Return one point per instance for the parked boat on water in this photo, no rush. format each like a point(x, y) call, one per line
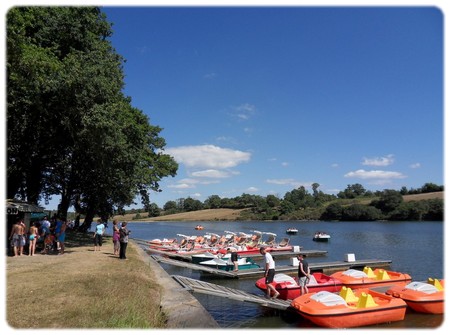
point(292, 231)
point(289, 289)
point(321, 236)
point(421, 297)
point(349, 309)
point(244, 244)
point(244, 263)
point(370, 278)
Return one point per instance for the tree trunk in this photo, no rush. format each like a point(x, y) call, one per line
point(87, 221)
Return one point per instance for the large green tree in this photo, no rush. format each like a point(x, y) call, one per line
point(70, 130)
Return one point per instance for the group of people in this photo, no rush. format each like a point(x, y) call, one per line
point(120, 237)
point(52, 234)
point(269, 274)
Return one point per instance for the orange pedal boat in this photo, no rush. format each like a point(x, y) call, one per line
point(349, 309)
point(422, 297)
point(368, 278)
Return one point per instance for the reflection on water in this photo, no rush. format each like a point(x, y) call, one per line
point(414, 247)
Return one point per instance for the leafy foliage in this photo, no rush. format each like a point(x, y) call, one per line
point(299, 204)
point(70, 129)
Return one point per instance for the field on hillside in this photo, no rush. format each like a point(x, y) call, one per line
point(203, 215)
point(424, 196)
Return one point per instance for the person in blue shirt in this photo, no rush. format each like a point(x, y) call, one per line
point(98, 235)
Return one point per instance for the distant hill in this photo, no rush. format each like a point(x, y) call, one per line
point(227, 214)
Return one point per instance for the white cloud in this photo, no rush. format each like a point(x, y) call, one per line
point(284, 164)
point(379, 161)
point(244, 111)
point(208, 156)
point(288, 181)
point(212, 173)
point(281, 181)
point(181, 186)
point(415, 166)
point(335, 165)
point(375, 174)
point(246, 108)
point(252, 189)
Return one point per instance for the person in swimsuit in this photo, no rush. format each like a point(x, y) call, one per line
point(17, 236)
point(32, 240)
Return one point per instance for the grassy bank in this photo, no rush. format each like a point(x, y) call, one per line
point(82, 289)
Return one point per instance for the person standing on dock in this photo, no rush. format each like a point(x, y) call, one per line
point(234, 258)
point(303, 273)
point(269, 273)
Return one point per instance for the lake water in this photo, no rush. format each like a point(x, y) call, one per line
point(416, 248)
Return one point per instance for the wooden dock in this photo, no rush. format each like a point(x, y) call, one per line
point(199, 286)
point(317, 267)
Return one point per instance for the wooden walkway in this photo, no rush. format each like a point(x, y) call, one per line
point(199, 286)
point(321, 267)
point(219, 273)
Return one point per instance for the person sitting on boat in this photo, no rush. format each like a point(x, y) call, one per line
point(303, 273)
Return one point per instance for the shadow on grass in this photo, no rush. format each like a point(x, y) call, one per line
point(77, 239)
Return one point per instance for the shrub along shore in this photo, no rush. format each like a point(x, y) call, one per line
point(83, 289)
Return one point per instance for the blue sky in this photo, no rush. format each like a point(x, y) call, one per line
point(262, 100)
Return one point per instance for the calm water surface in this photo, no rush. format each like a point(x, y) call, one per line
point(414, 247)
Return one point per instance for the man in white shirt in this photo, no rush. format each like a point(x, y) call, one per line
point(269, 274)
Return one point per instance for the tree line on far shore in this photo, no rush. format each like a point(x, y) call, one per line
point(355, 203)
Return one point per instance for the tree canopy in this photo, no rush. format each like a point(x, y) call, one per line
point(70, 130)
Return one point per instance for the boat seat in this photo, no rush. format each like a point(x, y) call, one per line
point(284, 242)
point(368, 271)
point(383, 275)
point(365, 301)
point(347, 294)
point(312, 280)
point(436, 283)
